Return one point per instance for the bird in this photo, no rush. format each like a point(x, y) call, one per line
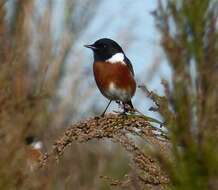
point(113, 73)
point(33, 151)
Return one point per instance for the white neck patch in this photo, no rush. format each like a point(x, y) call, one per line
point(118, 57)
point(37, 145)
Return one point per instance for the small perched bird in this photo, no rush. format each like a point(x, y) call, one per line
point(33, 152)
point(113, 72)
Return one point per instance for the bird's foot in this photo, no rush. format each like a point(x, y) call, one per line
point(97, 117)
point(118, 102)
point(127, 108)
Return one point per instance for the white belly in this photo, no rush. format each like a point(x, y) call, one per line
point(115, 93)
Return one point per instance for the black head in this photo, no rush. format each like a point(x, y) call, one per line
point(30, 140)
point(104, 49)
point(33, 142)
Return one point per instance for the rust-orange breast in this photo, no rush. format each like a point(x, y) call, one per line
point(118, 73)
point(33, 156)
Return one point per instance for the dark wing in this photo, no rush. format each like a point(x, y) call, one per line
point(129, 65)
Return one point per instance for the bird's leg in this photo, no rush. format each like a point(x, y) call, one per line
point(122, 106)
point(106, 108)
point(125, 110)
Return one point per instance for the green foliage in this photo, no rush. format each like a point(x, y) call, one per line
point(190, 41)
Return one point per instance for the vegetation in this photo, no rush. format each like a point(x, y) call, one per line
point(178, 153)
point(189, 38)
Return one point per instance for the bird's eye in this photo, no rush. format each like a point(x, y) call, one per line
point(104, 46)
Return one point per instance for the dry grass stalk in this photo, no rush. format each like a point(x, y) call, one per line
point(120, 129)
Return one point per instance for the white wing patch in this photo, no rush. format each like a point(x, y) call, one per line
point(118, 57)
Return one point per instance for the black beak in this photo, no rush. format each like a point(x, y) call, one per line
point(90, 46)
